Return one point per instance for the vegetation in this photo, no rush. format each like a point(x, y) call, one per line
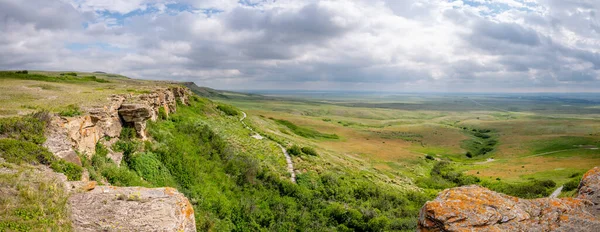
point(309, 151)
point(31, 201)
point(64, 77)
point(23, 145)
point(229, 110)
point(70, 111)
point(305, 132)
point(481, 143)
point(295, 150)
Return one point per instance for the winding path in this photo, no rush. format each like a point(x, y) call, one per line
point(288, 158)
point(556, 192)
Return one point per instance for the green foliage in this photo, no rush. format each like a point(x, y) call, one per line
point(309, 151)
point(572, 184)
point(429, 157)
point(32, 201)
point(481, 143)
point(28, 128)
point(444, 176)
point(148, 166)
point(69, 74)
point(127, 133)
point(121, 176)
point(295, 150)
point(530, 189)
point(228, 109)
point(233, 191)
point(22, 72)
point(64, 77)
point(162, 113)
point(70, 111)
point(305, 132)
point(71, 170)
point(18, 151)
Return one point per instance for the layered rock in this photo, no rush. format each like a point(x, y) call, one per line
point(108, 208)
point(65, 135)
point(476, 208)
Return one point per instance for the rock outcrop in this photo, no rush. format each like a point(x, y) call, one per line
point(474, 208)
point(108, 208)
point(65, 135)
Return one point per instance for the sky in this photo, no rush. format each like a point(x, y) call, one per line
point(373, 45)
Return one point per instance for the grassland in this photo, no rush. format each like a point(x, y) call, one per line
point(509, 137)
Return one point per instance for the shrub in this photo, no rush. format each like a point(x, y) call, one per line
point(28, 128)
point(70, 111)
point(571, 184)
point(71, 170)
point(16, 151)
point(69, 74)
point(227, 109)
point(162, 113)
point(429, 157)
point(148, 166)
point(305, 132)
point(309, 151)
point(22, 72)
point(294, 150)
point(128, 133)
point(469, 155)
point(121, 176)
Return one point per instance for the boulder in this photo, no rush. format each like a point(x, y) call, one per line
point(136, 114)
point(108, 208)
point(477, 208)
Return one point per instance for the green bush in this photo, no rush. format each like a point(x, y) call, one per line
point(305, 132)
point(122, 176)
point(22, 72)
point(28, 128)
point(309, 151)
point(70, 111)
point(229, 110)
point(71, 170)
point(69, 74)
point(17, 151)
point(162, 113)
point(148, 166)
point(127, 133)
point(295, 150)
point(571, 184)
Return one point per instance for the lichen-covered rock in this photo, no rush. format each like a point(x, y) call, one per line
point(474, 208)
point(108, 208)
point(589, 189)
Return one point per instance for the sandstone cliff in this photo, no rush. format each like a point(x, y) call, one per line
point(66, 135)
point(474, 208)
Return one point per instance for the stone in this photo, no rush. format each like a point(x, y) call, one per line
point(136, 114)
point(109, 208)
point(477, 208)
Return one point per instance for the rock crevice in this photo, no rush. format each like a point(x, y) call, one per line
point(476, 208)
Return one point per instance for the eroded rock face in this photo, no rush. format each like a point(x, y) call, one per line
point(476, 208)
point(107, 208)
point(65, 135)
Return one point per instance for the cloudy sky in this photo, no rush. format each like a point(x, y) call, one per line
point(388, 45)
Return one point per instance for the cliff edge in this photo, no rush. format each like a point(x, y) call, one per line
point(475, 208)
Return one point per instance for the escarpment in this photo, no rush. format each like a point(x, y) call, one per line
point(68, 135)
point(474, 208)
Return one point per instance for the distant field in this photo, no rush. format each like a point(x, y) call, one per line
point(529, 135)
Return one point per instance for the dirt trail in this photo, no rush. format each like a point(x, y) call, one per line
point(556, 192)
point(288, 158)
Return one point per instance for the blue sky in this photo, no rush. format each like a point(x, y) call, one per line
point(413, 45)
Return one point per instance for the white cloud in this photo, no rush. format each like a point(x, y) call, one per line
point(425, 45)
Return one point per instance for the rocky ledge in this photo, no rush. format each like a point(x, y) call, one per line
point(474, 208)
point(108, 208)
point(66, 135)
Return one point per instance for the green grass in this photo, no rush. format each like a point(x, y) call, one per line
point(32, 201)
point(39, 77)
point(70, 111)
point(305, 132)
point(229, 110)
